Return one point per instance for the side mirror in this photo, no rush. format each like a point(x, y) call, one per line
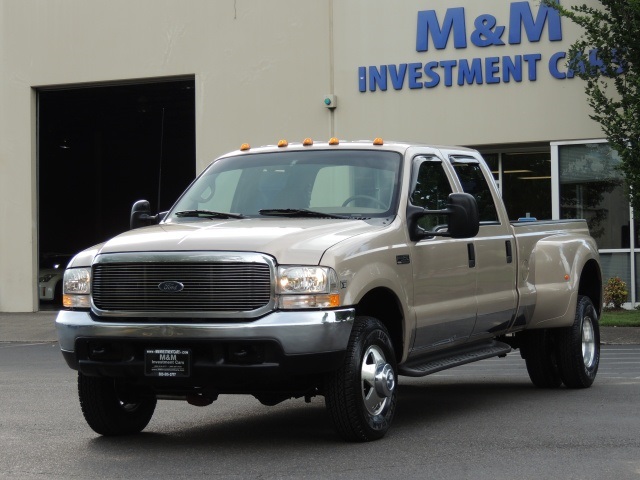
point(462, 214)
point(141, 215)
point(464, 218)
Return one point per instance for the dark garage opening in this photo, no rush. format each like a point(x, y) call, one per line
point(101, 148)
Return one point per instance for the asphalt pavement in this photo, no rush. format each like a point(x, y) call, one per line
point(40, 327)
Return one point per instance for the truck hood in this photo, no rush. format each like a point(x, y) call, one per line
point(290, 241)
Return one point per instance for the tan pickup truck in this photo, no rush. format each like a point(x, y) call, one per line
point(326, 269)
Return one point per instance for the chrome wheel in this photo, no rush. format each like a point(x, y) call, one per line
point(588, 342)
point(578, 347)
point(361, 394)
point(377, 379)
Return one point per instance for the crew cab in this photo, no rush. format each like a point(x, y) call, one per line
point(326, 268)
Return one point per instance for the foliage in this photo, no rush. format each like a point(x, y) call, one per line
point(615, 293)
point(607, 58)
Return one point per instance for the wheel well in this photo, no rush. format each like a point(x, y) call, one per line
point(384, 305)
point(591, 284)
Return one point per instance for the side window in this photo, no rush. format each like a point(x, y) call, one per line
point(431, 191)
point(474, 183)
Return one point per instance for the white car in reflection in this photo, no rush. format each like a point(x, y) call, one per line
point(50, 277)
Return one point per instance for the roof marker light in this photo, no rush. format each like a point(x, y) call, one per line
point(244, 147)
point(378, 141)
point(283, 143)
point(334, 141)
point(307, 142)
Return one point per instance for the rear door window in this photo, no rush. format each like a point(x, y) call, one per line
point(474, 183)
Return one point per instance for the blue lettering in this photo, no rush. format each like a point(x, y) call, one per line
point(470, 74)
point(521, 15)
point(616, 60)
point(492, 69)
point(484, 35)
point(553, 65)
point(576, 64)
point(448, 71)
point(362, 79)
point(428, 25)
point(596, 63)
point(532, 61)
point(414, 75)
point(433, 75)
point(378, 78)
point(397, 74)
point(512, 69)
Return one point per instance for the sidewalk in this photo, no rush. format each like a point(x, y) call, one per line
point(28, 327)
point(40, 327)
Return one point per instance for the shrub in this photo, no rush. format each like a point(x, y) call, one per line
point(615, 293)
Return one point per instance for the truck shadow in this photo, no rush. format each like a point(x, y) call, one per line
point(421, 406)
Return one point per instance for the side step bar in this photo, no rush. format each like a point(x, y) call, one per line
point(428, 365)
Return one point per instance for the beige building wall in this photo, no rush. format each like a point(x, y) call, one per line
point(378, 32)
point(261, 70)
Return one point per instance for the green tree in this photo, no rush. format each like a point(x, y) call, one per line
point(607, 58)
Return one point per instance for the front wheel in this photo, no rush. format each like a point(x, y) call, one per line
point(361, 396)
point(109, 410)
point(579, 347)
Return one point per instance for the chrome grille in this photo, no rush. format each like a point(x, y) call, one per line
point(208, 287)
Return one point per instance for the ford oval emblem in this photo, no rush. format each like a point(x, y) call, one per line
point(170, 286)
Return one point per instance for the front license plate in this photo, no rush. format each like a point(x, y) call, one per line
point(165, 362)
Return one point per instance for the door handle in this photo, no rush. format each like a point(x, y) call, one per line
point(507, 245)
point(471, 251)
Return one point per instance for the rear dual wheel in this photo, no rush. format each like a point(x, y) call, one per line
point(565, 355)
point(579, 347)
point(539, 352)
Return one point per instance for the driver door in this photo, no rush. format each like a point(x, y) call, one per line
point(444, 278)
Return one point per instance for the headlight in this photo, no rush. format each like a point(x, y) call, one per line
point(46, 277)
point(307, 287)
point(76, 288)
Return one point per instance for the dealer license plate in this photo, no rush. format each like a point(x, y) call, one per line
point(167, 362)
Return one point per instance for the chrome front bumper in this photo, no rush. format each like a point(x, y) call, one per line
point(297, 332)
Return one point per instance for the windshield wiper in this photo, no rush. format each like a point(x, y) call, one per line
point(299, 212)
point(206, 214)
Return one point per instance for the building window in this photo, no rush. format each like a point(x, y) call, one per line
point(524, 181)
point(591, 187)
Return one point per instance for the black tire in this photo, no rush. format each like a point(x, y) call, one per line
point(107, 413)
point(578, 347)
point(539, 352)
point(361, 396)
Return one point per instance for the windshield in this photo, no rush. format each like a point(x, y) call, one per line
point(339, 183)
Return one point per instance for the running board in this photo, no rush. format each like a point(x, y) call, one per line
point(429, 365)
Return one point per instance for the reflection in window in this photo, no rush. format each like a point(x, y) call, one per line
point(493, 161)
point(432, 193)
point(474, 183)
point(592, 188)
